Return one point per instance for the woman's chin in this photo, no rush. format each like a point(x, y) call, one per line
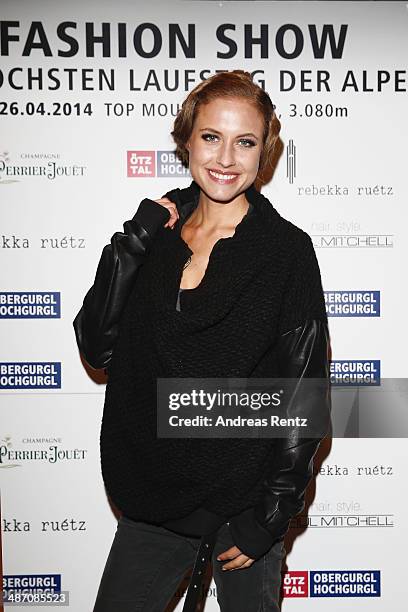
point(221, 191)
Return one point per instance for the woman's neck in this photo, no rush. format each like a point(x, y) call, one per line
point(213, 216)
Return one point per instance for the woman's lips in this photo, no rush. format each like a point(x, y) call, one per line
point(225, 180)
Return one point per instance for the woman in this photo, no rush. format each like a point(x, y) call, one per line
point(207, 281)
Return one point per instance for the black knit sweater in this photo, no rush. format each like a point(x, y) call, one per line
point(259, 283)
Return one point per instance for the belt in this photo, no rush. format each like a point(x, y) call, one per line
point(202, 559)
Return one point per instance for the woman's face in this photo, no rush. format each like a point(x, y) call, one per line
point(225, 147)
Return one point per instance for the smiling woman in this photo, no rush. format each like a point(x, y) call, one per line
point(251, 305)
point(226, 132)
point(228, 155)
point(224, 161)
point(225, 110)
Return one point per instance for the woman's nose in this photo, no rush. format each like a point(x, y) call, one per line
point(225, 155)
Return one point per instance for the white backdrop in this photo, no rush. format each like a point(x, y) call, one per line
point(66, 186)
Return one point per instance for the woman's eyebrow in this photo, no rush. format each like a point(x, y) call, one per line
point(217, 132)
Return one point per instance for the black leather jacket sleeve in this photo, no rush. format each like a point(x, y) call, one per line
point(302, 352)
point(96, 324)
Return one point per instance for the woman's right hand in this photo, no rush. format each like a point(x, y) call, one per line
point(172, 208)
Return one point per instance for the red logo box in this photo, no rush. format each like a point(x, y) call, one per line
point(141, 164)
point(295, 584)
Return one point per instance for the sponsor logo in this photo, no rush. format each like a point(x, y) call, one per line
point(353, 241)
point(146, 164)
point(13, 242)
point(295, 584)
point(355, 372)
point(345, 583)
point(352, 303)
point(32, 582)
point(27, 588)
point(332, 583)
point(170, 165)
point(37, 165)
point(141, 164)
point(352, 521)
point(14, 457)
point(13, 525)
point(30, 305)
point(30, 375)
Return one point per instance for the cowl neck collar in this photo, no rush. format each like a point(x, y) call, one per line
point(187, 199)
point(232, 263)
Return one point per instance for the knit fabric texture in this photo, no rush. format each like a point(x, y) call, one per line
point(259, 283)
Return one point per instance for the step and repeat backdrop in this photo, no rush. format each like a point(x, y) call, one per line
point(88, 96)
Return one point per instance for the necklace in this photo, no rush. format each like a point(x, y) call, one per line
point(187, 262)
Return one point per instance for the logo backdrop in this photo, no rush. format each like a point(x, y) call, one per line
point(88, 95)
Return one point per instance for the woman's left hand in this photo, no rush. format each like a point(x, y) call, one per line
point(239, 560)
point(172, 208)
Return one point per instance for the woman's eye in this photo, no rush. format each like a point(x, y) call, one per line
point(249, 143)
point(210, 135)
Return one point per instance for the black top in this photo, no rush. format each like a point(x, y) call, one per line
point(178, 305)
point(260, 284)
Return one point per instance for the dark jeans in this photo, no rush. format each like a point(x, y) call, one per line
point(146, 564)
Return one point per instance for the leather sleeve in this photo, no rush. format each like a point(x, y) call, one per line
point(96, 324)
point(302, 352)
